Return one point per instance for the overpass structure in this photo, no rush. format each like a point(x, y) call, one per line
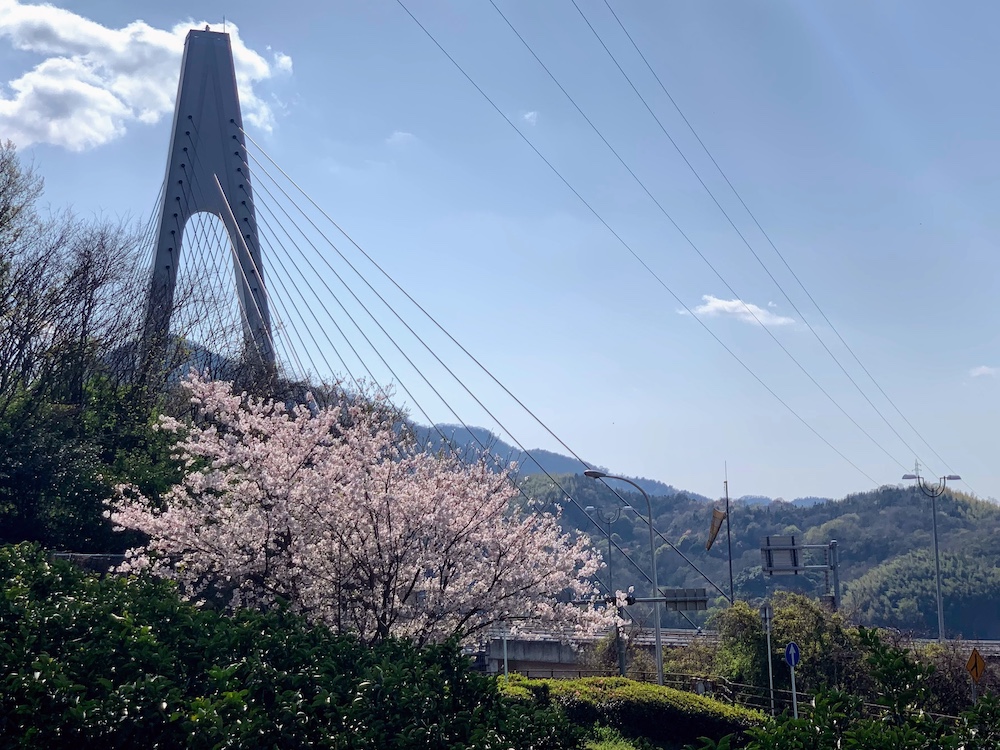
point(546, 653)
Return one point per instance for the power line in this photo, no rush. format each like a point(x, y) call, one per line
point(687, 238)
point(628, 247)
point(766, 236)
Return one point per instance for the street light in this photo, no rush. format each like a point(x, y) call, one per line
point(595, 474)
point(609, 519)
point(934, 491)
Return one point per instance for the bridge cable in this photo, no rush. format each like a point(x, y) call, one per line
point(486, 455)
point(455, 377)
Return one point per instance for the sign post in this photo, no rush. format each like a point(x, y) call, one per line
point(792, 658)
point(977, 668)
point(766, 614)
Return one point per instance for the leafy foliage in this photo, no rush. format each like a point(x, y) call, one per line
point(123, 662)
point(894, 593)
point(898, 721)
point(832, 655)
point(636, 709)
point(73, 418)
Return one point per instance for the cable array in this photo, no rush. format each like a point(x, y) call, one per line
point(767, 237)
point(264, 178)
point(761, 229)
point(323, 301)
point(660, 281)
point(687, 238)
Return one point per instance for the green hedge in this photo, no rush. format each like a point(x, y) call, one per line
point(637, 709)
point(123, 662)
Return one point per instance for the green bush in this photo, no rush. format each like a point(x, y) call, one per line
point(637, 709)
point(897, 720)
point(123, 662)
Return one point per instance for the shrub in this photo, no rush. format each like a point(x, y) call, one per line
point(123, 662)
point(637, 709)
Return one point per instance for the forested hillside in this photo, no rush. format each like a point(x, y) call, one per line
point(884, 539)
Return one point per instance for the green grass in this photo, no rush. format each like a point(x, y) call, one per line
point(606, 738)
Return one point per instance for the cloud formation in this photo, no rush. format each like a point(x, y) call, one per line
point(984, 371)
point(400, 138)
point(93, 82)
point(745, 311)
point(530, 117)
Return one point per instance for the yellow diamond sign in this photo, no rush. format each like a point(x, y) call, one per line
point(976, 666)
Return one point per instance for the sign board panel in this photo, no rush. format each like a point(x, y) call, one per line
point(976, 666)
point(685, 600)
point(780, 555)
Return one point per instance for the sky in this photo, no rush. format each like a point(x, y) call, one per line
point(847, 329)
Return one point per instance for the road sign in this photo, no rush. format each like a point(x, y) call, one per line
point(792, 658)
point(766, 615)
point(792, 654)
point(976, 666)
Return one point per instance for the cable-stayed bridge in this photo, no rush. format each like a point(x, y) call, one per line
point(252, 280)
point(262, 284)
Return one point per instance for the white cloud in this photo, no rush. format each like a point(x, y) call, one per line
point(93, 82)
point(400, 138)
point(745, 311)
point(984, 371)
point(530, 117)
point(282, 62)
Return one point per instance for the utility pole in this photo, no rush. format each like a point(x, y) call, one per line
point(729, 540)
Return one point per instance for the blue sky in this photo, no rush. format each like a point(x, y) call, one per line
point(862, 135)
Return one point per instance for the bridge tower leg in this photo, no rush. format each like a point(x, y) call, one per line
point(207, 172)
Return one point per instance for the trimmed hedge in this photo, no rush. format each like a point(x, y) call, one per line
point(123, 662)
point(637, 709)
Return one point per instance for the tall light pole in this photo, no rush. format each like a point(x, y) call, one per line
point(934, 491)
point(595, 474)
point(609, 520)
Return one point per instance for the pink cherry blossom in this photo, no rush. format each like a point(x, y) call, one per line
point(329, 511)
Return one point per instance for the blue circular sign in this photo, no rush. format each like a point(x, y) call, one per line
point(792, 654)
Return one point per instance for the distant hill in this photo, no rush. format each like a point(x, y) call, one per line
point(802, 502)
point(883, 538)
point(470, 441)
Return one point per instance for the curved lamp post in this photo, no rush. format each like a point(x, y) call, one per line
point(595, 474)
point(609, 519)
point(934, 491)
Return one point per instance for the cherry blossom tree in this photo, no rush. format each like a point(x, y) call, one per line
point(327, 509)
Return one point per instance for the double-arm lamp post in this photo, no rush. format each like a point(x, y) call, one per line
point(595, 474)
point(934, 491)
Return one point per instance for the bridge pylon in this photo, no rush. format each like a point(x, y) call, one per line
point(207, 172)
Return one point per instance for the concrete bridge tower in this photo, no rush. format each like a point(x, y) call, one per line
point(207, 171)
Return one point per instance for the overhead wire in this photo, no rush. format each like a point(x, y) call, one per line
point(763, 232)
point(246, 282)
point(750, 310)
point(279, 273)
point(382, 299)
point(632, 252)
